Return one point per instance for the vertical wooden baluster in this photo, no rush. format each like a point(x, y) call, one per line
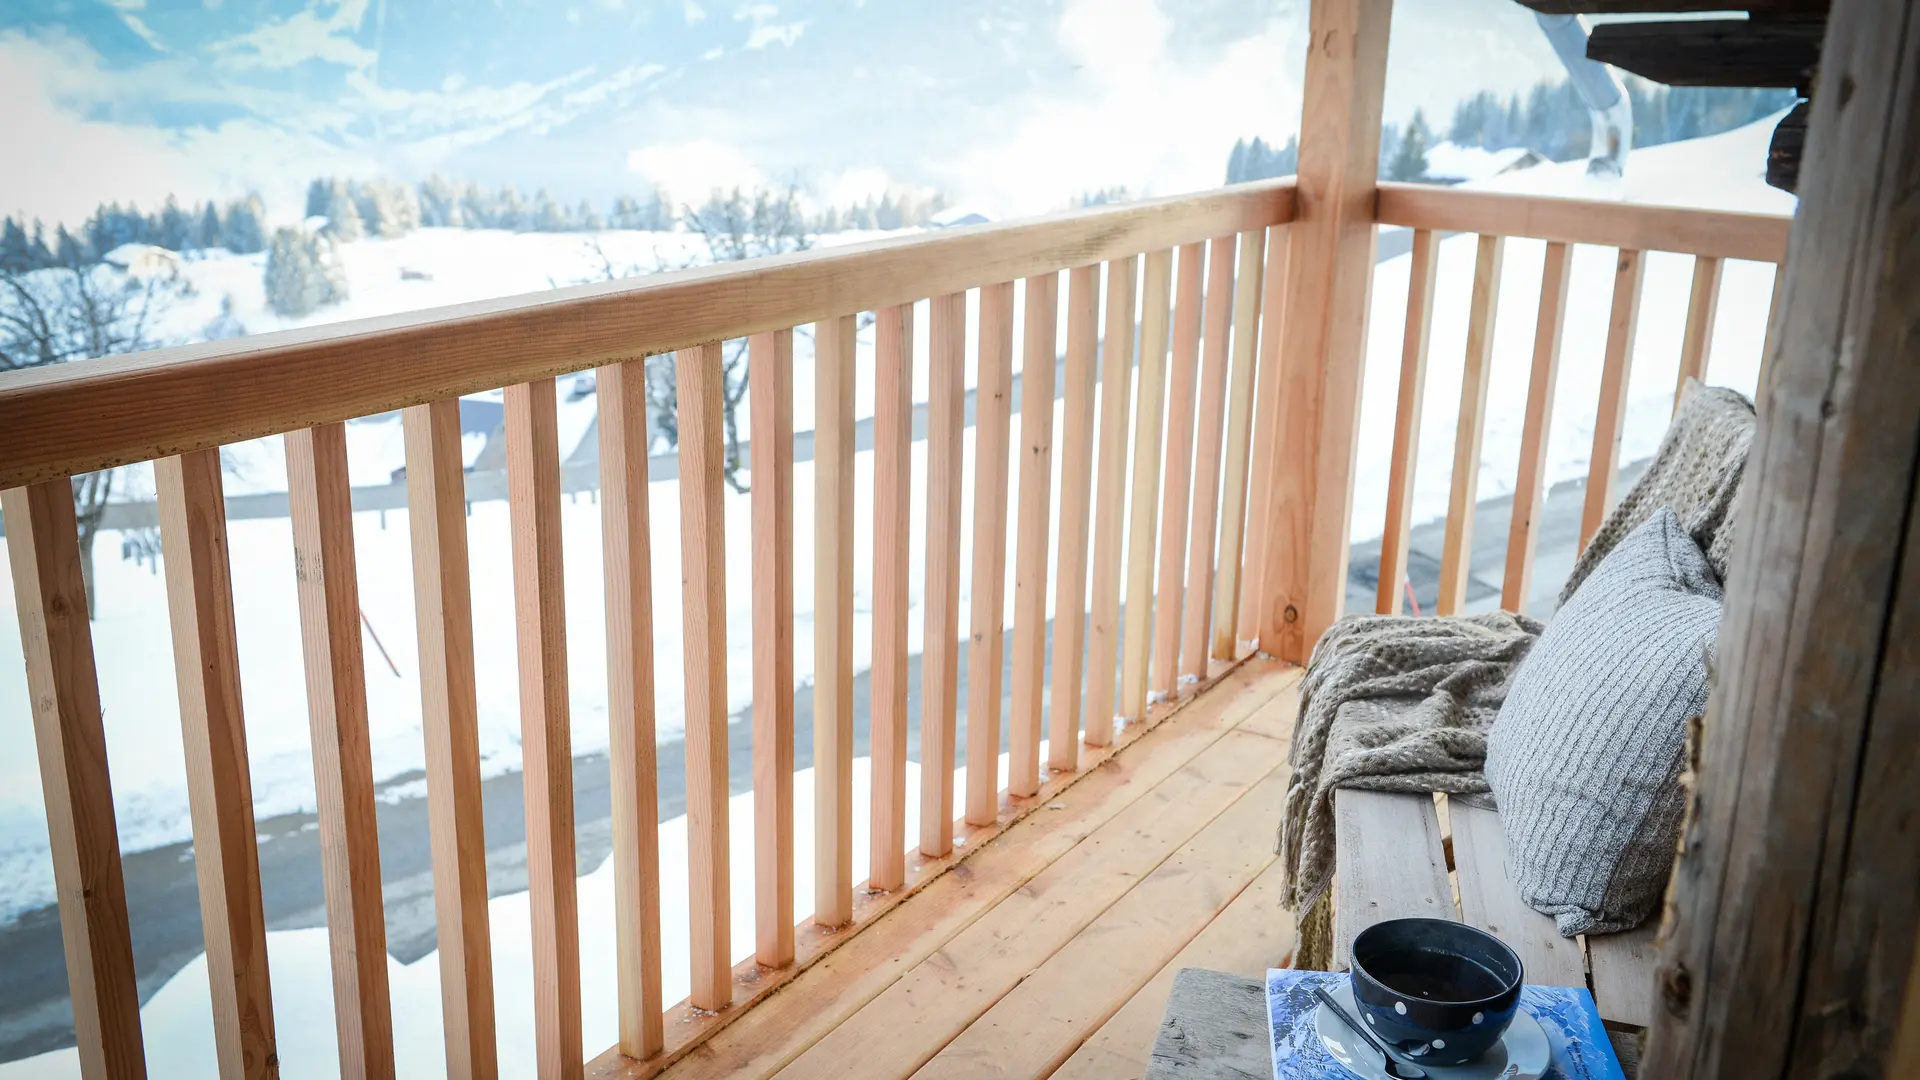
point(992, 440)
point(940, 656)
point(770, 386)
point(626, 531)
point(1176, 486)
point(1610, 422)
point(1110, 499)
point(329, 597)
point(1076, 498)
point(1038, 360)
point(703, 569)
point(1774, 313)
point(833, 352)
point(1197, 609)
point(449, 714)
point(1144, 504)
point(1696, 347)
point(226, 853)
point(892, 517)
point(546, 734)
point(43, 547)
point(1406, 420)
point(1529, 490)
point(1456, 554)
point(1233, 508)
point(1267, 403)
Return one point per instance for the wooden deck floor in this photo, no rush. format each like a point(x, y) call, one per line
point(1050, 951)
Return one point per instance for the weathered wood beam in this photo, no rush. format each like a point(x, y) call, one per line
point(1637, 7)
point(1787, 147)
point(1713, 52)
point(1791, 929)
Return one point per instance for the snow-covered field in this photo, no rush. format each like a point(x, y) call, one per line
point(132, 638)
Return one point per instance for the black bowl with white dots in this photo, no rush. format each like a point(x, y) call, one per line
point(1435, 992)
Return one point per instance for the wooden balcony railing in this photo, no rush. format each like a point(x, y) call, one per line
point(1179, 520)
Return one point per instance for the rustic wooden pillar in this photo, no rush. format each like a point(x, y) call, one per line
point(1789, 941)
point(1326, 320)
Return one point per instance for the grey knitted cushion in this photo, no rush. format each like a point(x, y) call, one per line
point(1585, 757)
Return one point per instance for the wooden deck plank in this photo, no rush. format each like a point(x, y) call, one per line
point(1247, 938)
point(775, 1032)
point(928, 1006)
point(1488, 901)
point(1623, 974)
point(1037, 1026)
point(1390, 864)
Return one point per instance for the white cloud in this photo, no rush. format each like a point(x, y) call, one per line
point(692, 12)
point(714, 53)
point(855, 185)
point(765, 34)
point(693, 168)
point(323, 31)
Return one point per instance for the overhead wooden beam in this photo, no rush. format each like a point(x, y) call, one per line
point(1713, 52)
point(1638, 7)
point(1791, 929)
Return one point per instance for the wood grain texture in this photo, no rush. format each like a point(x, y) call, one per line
point(1076, 503)
point(770, 390)
point(546, 733)
point(1247, 284)
point(1623, 974)
point(1208, 1038)
point(1251, 607)
point(1110, 500)
point(1408, 405)
point(1611, 423)
point(450, 724)
point(169, 401)
point(1791, 925)
point(1176, 481)
point(992, 441)
point(1329, 288)
point(57, 642)
point(1488, 901)
point(703, 571)
point(626, 531)
point(833, 347)
point(1389, 864)
point(1530, 486)
point(1037, 364)
point(1196, 614)
point(892, 591)
point(1149, 420)
point(1457, 545)
point(940, 656)
point(1713, 52)
point(226, 855)
point(1634, 226)
point(1696, 343)
point(327, 587)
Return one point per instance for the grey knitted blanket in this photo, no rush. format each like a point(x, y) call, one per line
point(1390, 703)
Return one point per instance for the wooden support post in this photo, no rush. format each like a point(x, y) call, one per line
point(1038, 359)
point(1328, 287)
point(1110, 499)
point(44, 549)
point(546, 732)
point(833, 360)
point(626, 532)
point(1406, 420)
point(940, 658)
point(226, 853)
point(329, 595)
point(450, 724)
point(1457, 548)
point(703, 570)
point(1530, 488)
point(892, 518)
point(1234, 495)
point(1076, 500)
point(1610, 422)
point(1790, 937)
point(1144, 503)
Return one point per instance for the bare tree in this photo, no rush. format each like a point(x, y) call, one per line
point(63, 313)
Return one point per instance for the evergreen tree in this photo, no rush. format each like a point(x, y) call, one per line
point(547, 216)
point(175, 227)
point(303, 273)
point(68, 251)
point(246, 232)
point(38, 252)
point(16, 253)
point(343, 218)
point(439, 202)
point(211, 233)
point(585, 219)
point(319, 196)
point(1409, 161)
point(511, 212)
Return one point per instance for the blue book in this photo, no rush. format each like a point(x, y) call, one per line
point(1566, 1013)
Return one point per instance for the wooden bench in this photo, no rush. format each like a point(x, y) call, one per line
point(1392, 863)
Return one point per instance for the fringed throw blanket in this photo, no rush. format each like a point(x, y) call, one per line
point(1404, 704)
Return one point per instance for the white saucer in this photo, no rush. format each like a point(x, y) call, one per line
point(1521, 1054)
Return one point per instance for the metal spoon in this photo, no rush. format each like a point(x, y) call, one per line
point(1394, 1068)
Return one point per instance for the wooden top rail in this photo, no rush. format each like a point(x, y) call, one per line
point(77, 418)
point(1635, 226)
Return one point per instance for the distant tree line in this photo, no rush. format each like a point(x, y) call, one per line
point(238, 226)
point(1550, 119)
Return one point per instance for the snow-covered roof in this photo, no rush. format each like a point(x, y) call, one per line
point(955, 216)
point(1455, 163)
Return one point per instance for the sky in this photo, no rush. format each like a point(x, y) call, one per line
point(1011, 106)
